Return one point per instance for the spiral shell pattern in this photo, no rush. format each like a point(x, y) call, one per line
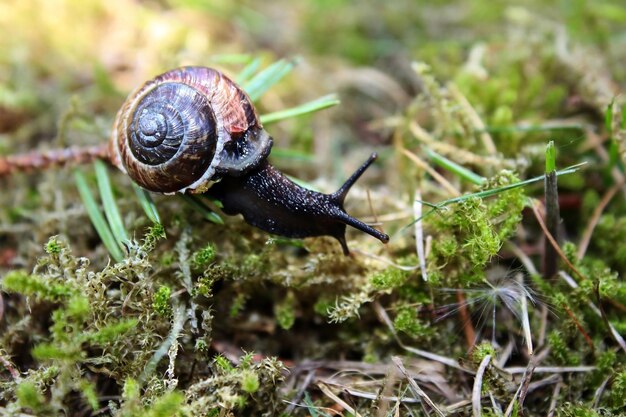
point(176, 132)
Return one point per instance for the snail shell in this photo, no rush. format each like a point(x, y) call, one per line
point(186, 128)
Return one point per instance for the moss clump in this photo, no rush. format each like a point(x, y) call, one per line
point(161, 302)
point(406, 321)
point(203, 258)
point(285, 312)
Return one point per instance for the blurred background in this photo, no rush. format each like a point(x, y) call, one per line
point(87, 55)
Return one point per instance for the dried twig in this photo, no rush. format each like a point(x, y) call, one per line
point(373, 395)
point(598, 394)
point(555, 398)
point(15, 373)
point(534, 206)
point(330, 394)
point(417, 391)
point(478, 385)
point(451, 189)
point(550, 369)
point(595, 218)
point(41, 160)
point(301, 389)
point(528, 375)
point(419, 234)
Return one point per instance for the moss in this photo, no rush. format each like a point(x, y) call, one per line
point(161, 301)
point(481, 351)
point(406, 321)
point(33, 285)
point(388, 279)
point(285, 311)
point(29, 396)
point(202, 258)
point(618, 391)
point(576, 410)
point(561, 350)
point(249, 382)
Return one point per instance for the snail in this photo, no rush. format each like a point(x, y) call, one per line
point(193, 130)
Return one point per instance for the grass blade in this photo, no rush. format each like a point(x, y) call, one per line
point(302, 109)
point(229, 59)
point(264, 80)
point(248, 71)
point(147, 204)
point(208, 214)
point(292, 154)
point(108, 202)
point(455, 168)
point(608, 118)
point(494, 191)
point(97, 219)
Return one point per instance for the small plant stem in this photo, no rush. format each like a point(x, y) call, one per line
point(478, 123)
point(534, 206)
point(579, 327)
point(42, 160)
point(468, 329)
point(528, 376)
point(451, 166)
point(595, 218)
point(415, 388)
point(451, 189)
point(550, 265)
point(419, 234)
point(555, 398)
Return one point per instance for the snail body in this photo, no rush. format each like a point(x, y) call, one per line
point(193, 130)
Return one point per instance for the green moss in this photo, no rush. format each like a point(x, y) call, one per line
point(576, 410)
point(168, 405)
point(249, 382)
point(78, 307)
point(53, 247)
point(29, 396)
point(89, 393)
point(481, 351)
point(285, 312)
point(223, 364)
point(561, 350)
point(203, 258)
point(161, 301)
point(238, 304)
point(406, 321)
point(618, 391)
point(388, 279)
point(322, 306)
point(34, 285)
point(111, 332)
point(131, 389)
point(155, 233)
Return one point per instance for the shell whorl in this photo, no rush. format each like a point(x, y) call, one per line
point(180, 129)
